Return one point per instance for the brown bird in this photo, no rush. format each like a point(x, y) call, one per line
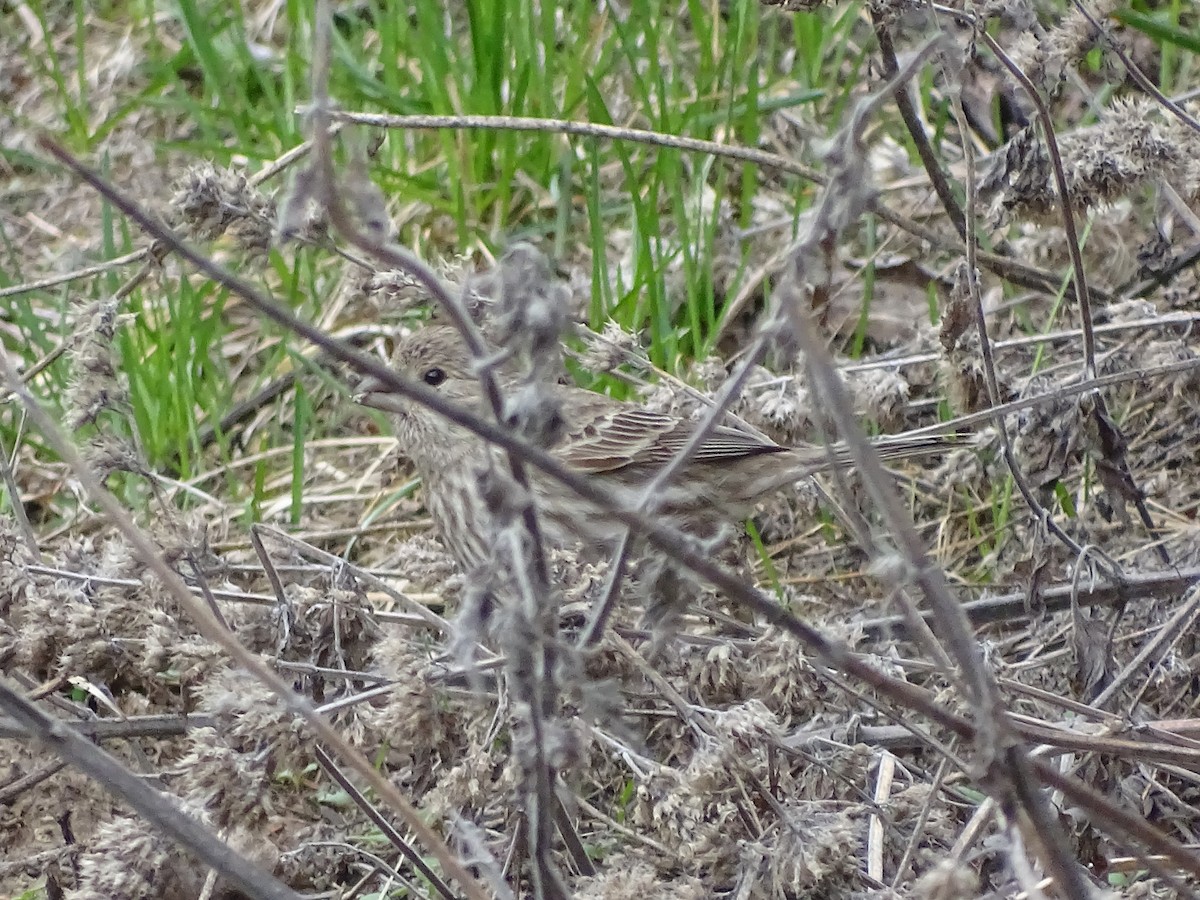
point(622, 444)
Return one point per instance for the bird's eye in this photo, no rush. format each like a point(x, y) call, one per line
point(433, 377)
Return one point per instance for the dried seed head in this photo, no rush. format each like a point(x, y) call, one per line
point(533, 309)
point(15, 558)
point(251, 719)
point(1129, 146)
point(779, 404)
point(227, 784)
point(536, 414)
point(609, 350)
point(1047, 435)
point(339, 628)
point(959, 315)
point(94, 384)
point(881, 395)
point(107, 454)
point(414, 707)
point(130, 857)
point(209, 201)
point(946, 878)
point(1049, 57)
point(626, 875)
point(184, 536)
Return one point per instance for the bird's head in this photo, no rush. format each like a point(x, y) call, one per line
point(436, 357)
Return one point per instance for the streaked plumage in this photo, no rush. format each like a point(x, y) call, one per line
point(621, 443)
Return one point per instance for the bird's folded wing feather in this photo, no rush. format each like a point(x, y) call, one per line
point(615, 439)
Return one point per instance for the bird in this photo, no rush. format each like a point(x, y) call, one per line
point(622, 444)
point(619, 443)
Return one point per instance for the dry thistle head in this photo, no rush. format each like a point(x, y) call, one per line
point(330, 628)
point(209, 201)
point(108, 454)
point(227, 784)
point(1129, 146)
point(608, 351)
point(15, 559)
point(625, 875)
point(130, 857)
point(415, 707)
point(251, 719)
point(779, 404)
point(533, 309)
point(1046, 57)
point(94, 384)
point(183, 539)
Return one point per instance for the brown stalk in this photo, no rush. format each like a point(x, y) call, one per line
point(156, 807)
point(831, 653)
point(1007, 767)
point(1012, 270)
point(536, 679)
point(916, 129)
point(196, 609)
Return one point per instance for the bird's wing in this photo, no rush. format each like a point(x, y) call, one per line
point(608, 436)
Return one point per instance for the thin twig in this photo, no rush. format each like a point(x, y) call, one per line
point(831, 653)
point(385, 827)
point(157, 808)
point(67, 277)
point(15, 788)
point(1057, 598)
point(198, 612)
point(916, 129)
point(1017, 272)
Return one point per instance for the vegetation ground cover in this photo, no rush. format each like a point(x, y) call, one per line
point(721, 755)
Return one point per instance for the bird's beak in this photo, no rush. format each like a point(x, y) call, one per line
point(374, 394)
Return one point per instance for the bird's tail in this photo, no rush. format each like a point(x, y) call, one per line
point(890, 448)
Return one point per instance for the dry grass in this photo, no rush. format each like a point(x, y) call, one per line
point(812, 739)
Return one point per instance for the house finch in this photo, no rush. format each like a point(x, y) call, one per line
point(621, 443)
